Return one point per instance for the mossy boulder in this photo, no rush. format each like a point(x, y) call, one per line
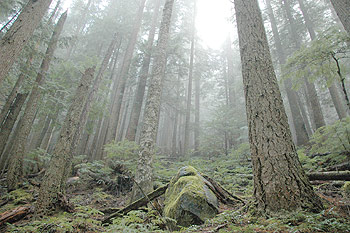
point(189, 199)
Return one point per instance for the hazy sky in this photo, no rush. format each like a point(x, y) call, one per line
point(213, 24)
point(212, 21)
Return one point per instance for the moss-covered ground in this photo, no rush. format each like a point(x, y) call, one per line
point(92, 196)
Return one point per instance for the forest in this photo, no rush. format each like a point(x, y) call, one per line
point(174, 116)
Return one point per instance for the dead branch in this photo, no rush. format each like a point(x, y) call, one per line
point(340, 167)
point(222, 194)
point(14, 215)
point(137, 204)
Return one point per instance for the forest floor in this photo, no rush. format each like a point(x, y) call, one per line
point(94, 198)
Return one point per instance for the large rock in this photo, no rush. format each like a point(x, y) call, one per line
point(189, 199)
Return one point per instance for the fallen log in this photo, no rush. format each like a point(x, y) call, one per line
point(340, 175)
point(336, 184)
point(138, 203)
point(14, 215)
point(222, 194)
point(340, 167)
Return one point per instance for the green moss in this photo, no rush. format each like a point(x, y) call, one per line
point(188, 199)
point(346, 189)
point(20, 196)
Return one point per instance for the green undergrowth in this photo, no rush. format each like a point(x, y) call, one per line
point(84, 219)
point(235, 221)
point(233, 171)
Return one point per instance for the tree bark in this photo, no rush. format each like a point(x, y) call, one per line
point(17, 153)
point(55, 176)
point(14, 215)
point(298, 122)
point(189, 87)
point(141, 85)
point(116, 105)
point(18, 35)
point(7, 127)
point(151, 117)
point(279, 180)
point(5, 109)
point(342, 7)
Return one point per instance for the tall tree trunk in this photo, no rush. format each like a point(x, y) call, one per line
point(34, 135)
point(332, 89)
point(308, 22)
point(5, 109)
point(80, 26)
point(52, 116)
point(6, 129)
point(342, 7)
point(116, 106)
point(279, 180)
point(304, 114)
point(337, 101)
point(18, 35)
point(55, 176)
point(230, 75)
point(17, 153)
point(197, 114)
point(123, 119)
point(99, 153)
point(310, 87)
point(189, 87)
point(53, 121)
point(298, 122)
point(97, 134)
point(96, 86)
point(315, 104)
point(148, 137)
point(141, 85)
point(100, 125)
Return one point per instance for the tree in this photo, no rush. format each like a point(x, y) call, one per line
point(298, 122)
point(6, 128)
point(141, 86)
point(21, 30)
point(55, 177)
point(190, 79)
point(342, 7)
point(151, 117)
point(312, 97)
point(15, 89)
point(117, 103)
point(17, 153)
point(279, 180)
